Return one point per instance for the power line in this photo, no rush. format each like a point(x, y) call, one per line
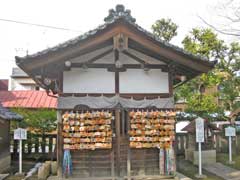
point(39, 25)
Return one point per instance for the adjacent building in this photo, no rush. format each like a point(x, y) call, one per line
point(5, 117)
point(21, 81)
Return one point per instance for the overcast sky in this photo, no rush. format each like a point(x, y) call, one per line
point(16, 39)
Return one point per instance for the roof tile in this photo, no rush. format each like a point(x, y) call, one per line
point(9, 115)
point(27, 99)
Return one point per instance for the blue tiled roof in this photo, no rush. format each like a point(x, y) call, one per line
point(9, 115)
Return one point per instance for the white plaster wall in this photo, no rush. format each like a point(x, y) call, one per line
point(90, 81)
point(139, 81)
point(22, 84)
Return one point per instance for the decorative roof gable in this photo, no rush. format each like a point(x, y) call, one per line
point(120, 12)
point(114, 15)
point(48, 63)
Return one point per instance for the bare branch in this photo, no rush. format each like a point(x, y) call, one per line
point(231, 19)
point(218, 30)
point(229, 2)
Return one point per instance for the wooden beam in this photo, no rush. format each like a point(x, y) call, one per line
point(106, 34)
point(116, 58)
point(92, 60)
point(126, 66)
point(114, 69)
point(134, 57)
point(71, 53)
point(167, 52)
point(137, 96)
point(142, 49)
point(54, 68)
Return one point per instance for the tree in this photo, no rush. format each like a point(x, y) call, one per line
point(229, 89)
point(205, 42)
point(165, 29)
point(39, 121)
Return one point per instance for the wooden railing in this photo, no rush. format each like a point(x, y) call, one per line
point(221, 143)
point(36, 144)
point(45, 145)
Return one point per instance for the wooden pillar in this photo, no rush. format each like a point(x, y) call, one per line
point(116, 58)
point(90, 159)
point(187, 141)
point(117, 125)
point(59, 143)
point(50, 144)
point(220, 142)
point(171, 75)
point(129, 149)
point(236, 144)
point(43, 144)
point(117, 118)
point(112, 165)
point(36, 144)
point(29, 143)
point(123, 123)
point(15, 148)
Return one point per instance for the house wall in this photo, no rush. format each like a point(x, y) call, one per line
point(22, 84)
point(89, 81)
point(5, 159)
point(102, 81)
point(139, 81)
point(96, 80)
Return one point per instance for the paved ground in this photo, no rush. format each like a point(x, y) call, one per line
point(223, 171)
point(179, 175)
point(182, 177)
point(3, 176)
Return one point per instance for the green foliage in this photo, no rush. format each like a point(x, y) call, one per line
point(202, 103)
point(230, 84)
point(204, 42)
point(39, 120)
point(165, 29)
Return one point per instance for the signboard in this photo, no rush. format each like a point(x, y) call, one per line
point(20, 134)
point(199, 130)
point(230, 131)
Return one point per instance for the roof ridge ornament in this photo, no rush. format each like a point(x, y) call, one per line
point(120, 12)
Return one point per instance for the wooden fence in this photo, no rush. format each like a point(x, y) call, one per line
point(45, 146)
point(36, 146)
point(221, 143)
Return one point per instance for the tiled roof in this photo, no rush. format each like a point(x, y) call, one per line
point(3, 84)
point(191, 127)
point(8, 115)
point(27, 99)
point(114, 15)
